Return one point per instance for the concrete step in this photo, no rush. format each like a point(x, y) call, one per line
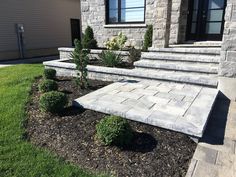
point(172, 76)
point(180, 57)
point(178, 66)
point(188, 50)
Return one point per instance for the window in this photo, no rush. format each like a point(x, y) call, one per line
point(125, 11)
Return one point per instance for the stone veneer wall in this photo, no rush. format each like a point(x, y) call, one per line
point(228, 54)
point(175, 19)
point(93, 14)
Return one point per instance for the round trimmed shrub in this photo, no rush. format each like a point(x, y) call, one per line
point(53, 102)
point(47, 86)
point(113, 130)
point(49, 73)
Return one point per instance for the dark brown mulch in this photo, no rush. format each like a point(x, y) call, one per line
point(154, 152)
point(96, 62)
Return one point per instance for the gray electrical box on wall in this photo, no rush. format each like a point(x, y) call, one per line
point(20, 38)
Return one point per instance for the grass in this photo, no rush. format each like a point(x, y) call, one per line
point(18, 157)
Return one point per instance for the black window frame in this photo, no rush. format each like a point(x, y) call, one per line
point(119, 14)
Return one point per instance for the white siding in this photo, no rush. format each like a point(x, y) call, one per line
point(46, 23)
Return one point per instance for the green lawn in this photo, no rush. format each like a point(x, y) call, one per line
point(17, 156)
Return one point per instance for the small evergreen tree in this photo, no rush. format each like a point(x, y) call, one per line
point(81, 59)
point(148, 38)
point(88, 41)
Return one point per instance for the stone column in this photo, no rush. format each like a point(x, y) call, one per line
point(161, 25)
point(228, 54)
point(175, 21)
point(227, 72)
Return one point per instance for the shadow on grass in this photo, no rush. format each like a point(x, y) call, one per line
point(215, 130)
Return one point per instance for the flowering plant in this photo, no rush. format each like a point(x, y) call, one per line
point(116, 43)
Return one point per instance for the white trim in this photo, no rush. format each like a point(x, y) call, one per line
point(125, 26)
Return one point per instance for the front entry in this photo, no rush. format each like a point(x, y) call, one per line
point(205, 20)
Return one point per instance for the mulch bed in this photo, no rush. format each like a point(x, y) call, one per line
point(96, 62)
point(154, 151)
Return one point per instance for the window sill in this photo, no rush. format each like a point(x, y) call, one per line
point(125, 26)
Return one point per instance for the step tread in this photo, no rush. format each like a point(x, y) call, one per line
point(180, 66)
point(195, 50)
point(180, 57)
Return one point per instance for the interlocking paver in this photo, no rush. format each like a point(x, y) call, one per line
point(205, 154)
point(144, 91)
point(225, 159)
point(204, 169)
point(215, 154)
point(138, 104)
point(178, 107)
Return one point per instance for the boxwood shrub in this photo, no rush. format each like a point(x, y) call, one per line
point(53, 102)
point(47, 86)
point(113, 130)
point(49, 73)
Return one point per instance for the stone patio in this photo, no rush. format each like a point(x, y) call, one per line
point(179, 107)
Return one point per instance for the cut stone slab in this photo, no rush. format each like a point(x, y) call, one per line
point(178, 107)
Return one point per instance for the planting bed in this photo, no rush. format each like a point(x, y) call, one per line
point(153, 152)
point(97, 62)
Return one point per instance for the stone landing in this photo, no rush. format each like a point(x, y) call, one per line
point(178, 107)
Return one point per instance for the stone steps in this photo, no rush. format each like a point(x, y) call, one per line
point(208, 68)
point(198, 66)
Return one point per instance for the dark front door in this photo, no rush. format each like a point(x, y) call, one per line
point(75, 30)
point(205, 20)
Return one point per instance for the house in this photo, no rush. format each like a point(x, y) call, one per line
point(36, 28)
point(174, 22)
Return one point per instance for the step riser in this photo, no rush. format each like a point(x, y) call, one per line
point(199, 60)
point(181, 58)
point(210, 72)
point(189, 81)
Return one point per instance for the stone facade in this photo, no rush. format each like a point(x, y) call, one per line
point(169, 20)
point(228, 59)
point(93, 14)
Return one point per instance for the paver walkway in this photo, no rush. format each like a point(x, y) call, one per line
point(215, 155)
point(179, 107)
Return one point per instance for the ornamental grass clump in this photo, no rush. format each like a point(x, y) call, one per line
point(134, 54)
point(110, 58)
point(148, 38)
point(81, 58)
point(116, 43)
point(88, 41)
point(113, 130)
point(53, 102)
point(47, 86)
point(49, 73)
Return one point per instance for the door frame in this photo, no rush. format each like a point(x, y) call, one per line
point(79, 27)
point(200, 34)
